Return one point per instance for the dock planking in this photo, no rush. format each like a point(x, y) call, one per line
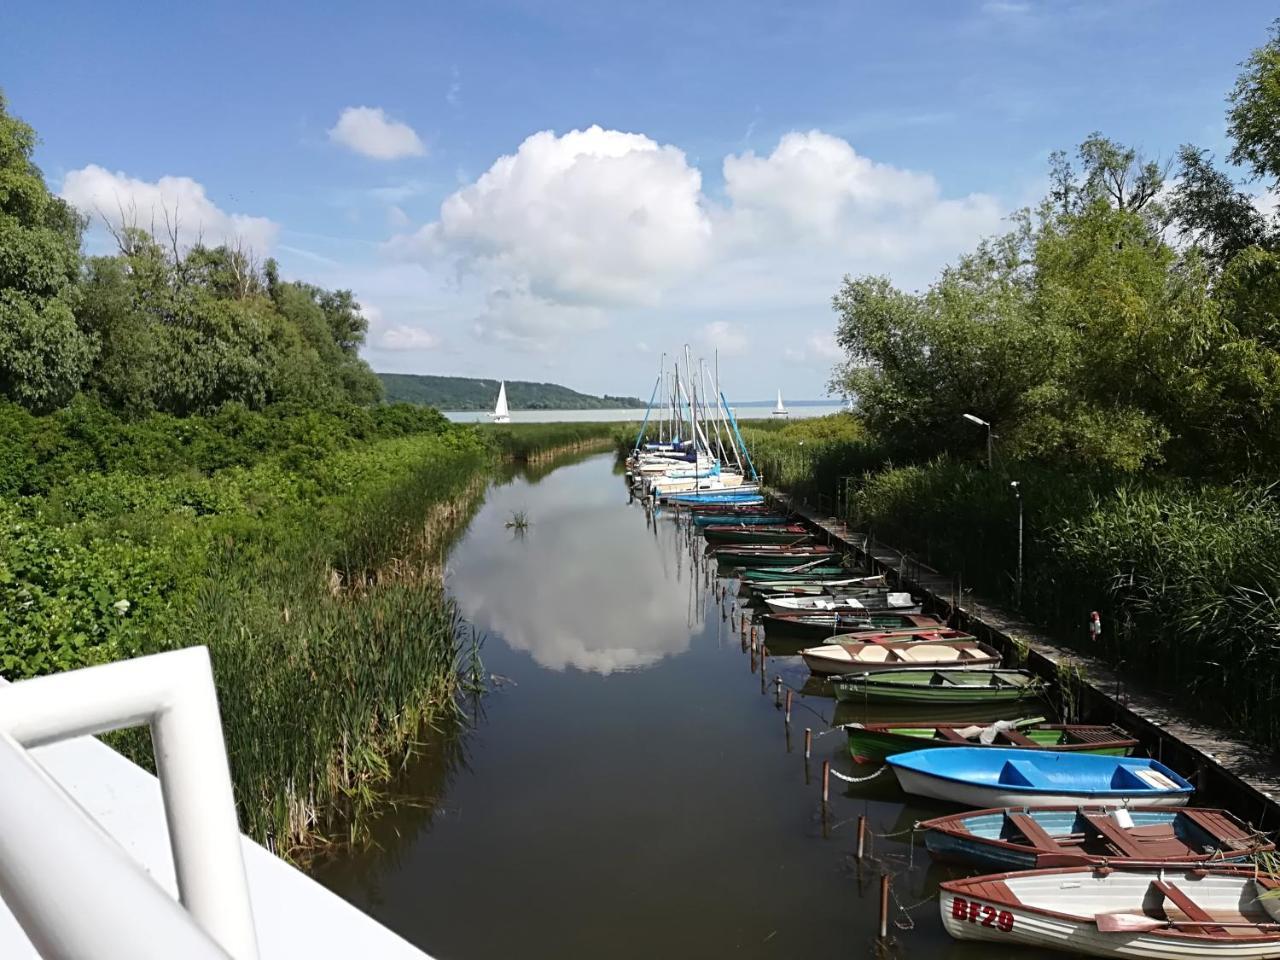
point(1224, 768)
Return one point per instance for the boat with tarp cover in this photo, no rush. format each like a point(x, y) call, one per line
point(875, 741)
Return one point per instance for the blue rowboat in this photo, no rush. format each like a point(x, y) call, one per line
point(714, 496)
point(996, 777)
point(1038, 837)
point(738, 519)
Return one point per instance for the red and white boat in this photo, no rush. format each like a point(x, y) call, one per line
point(1158, 914)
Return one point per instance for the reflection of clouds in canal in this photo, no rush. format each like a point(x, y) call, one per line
point(586, 587)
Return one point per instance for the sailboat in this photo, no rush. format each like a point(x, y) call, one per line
point(500, 412)
point(780, 410)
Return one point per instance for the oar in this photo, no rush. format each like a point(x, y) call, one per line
point(804, 566)
point(1136, 923)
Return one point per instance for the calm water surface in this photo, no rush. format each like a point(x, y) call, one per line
point(628, 791)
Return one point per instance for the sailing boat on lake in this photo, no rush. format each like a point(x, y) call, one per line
point(780, 410)
point(500, 412)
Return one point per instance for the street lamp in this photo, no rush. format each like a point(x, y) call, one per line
point(1017, 588)
point(982, 423)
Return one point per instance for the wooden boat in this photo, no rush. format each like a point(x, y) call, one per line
point(925, 649)
point(1039, 837)
point(1143, 912)
point(772, 556)
point(853, 601)
point(823, 626)
point(709, 519)
point(1004, 777)
point(793, 534)
point(938, 687)
point(735, 507)
point(843, 586)
point(875, 741)
point(815, 571)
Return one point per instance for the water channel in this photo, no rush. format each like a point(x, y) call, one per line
point(627, 790)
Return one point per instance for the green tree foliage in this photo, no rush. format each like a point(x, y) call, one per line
point(1253, 121)
point(43, 353)
point(157, 327)
point(1084, 336)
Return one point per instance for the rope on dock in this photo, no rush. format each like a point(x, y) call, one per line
point(847, 779)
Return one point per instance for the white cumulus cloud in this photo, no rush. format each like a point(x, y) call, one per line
point(125, 201)
point(370, 132)
point(594, 217)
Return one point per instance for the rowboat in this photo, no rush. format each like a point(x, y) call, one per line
point(746, 493)
point(938, 687)
point(728, 506)
point(772, 556)
point(786, 533)
point(1039, 837)
point(708, 519)
point(875, 741)
point(822, 626)
point(1155, 914)
point(815, 572)
point(919, 651)
point(1004, 777)
point(866, 600)
point(843, 586)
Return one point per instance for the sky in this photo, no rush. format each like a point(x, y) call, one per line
point(563, 190)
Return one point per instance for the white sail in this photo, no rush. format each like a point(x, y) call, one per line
point(500, 412)
point(779, 410)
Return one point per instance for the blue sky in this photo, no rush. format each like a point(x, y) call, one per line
point(732, 160)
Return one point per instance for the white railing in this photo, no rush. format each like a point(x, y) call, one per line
point(76, 892)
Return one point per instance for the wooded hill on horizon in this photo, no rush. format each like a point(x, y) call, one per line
point(470, 393)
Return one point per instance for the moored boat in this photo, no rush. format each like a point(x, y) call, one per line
point(1002, 777)
point(1037, 837)
point(938, 687)
point(772, 555)
point(813, 572)
point(1156, 914)
point(923, 649)
point(852, 601)
point(793, 534)
point(710, 518)
point(875, 741)
point(823, 626)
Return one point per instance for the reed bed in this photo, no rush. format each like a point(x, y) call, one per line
point(524, 442)
point(313, 576)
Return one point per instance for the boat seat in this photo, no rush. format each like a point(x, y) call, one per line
point(1020, 773)
point(1187, 907)
point(950, 735)
point(1124, 845)
point(1035, 834)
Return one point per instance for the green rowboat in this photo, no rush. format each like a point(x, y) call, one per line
point(808, 575)
point(782, 534)
point(772, 555)
point(938, 686)
point(874, 741)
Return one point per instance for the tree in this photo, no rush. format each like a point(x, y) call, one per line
point(1253, 121)
point(1211, 212)
point(44, 356)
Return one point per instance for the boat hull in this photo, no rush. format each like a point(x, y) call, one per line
point(857, 690)
point(921, 784)
point(758, 534)
point(781, 558)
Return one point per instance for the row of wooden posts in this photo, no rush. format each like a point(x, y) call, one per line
point(885, 876)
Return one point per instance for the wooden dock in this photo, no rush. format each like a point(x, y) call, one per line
point(1225, 770)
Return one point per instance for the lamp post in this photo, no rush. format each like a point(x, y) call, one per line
point(1017, 588)
point(982, 423)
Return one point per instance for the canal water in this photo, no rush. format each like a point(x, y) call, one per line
point(627, 790)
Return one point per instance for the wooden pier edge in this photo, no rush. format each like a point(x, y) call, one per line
point(1226, 771)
